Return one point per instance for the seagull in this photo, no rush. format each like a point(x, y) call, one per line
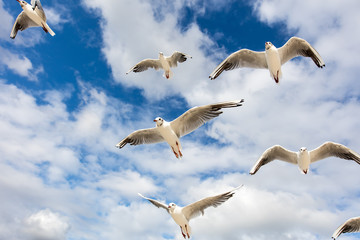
point(31, 16)
point(182, 215)
point(303, 158)
point(351, 225)
point(172, 131)
point(272, 58)
point(163, 62)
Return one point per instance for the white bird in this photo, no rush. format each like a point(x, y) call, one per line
point(182, 215)
point(304, 158)
point(163, 62)
point(351, 225)
point(272, 58)
point(172, 131)
point(31, 16)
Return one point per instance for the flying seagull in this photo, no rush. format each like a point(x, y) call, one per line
point(272, 58)
point(351, 225)
point(172, 131)
point(182, 215)
point(303, 158)
point(163, 62)
point(31, 16)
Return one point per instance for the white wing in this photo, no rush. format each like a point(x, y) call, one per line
point(142, 136)
point(195, 209)
point(156, 203)
point(351, 225)
point(239, 59)
point(299, 47)
point(145, 64)
point(22, 22)
point(177, 57)
point(197, 116)
point(36, 5)
point(331, 149)
point(275, 152)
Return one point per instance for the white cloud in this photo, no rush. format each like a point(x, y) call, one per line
point(46, 225)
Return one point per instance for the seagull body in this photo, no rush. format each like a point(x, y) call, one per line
point(272, 58)
point(351, 225)
point(304, 158)
point(164, 63)
point(182, 215)
point(31, 16)
point(171, 132)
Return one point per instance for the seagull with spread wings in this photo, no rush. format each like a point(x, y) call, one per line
point(182, 215)
point(272, 58)
point(31, 16)
point(351, 225)
point(163, 62)
point(184, 124)
point(304, 158)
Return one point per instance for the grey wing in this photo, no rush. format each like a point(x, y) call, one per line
point(22, 22)
point(36, 3)
point(177, 57)
point(272, 153)
point(351, 225)
point(239, 59)
point(156, 203)
point(142, 136)
point(145, 64)
point(299, 47)
point(197, 116)
point(195, 209)
point(331, 149)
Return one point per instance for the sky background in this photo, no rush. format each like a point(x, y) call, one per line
point(65, 101)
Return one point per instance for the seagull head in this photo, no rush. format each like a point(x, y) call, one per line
point(159, 121)
point(268, 45)
point(161, 54)
point(171, 207)
point(303, 149)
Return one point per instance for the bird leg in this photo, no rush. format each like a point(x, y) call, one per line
point(43, 27)
point(276, 78)
point(187, 232)
point(177, 144)
point(177, 155)
point(182, 233)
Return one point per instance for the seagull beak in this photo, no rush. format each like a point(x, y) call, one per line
point(155, 120)
point(18, 1)
point(169, 206)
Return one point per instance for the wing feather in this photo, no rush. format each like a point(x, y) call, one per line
point(142, 136)
point(22, 22)
point(197, 116)
point(272, 153)
point(351, 225)
point(195, 209)
point(239, 59)
point(299, 47)
point(331, 149)
point(145, 64)
point(156, 203)
point(177, 57)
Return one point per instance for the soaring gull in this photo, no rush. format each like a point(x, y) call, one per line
point(31, 16)
point(272, 58)
point(172, 131)
point(304, 158)
point(351, 225)
point(182, 215)
point(163, 62)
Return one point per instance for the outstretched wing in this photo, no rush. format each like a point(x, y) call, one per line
point(22, 22)
point(195, 209)
point(351, 225)
point(145, 64)
point(197, 116)
point(275, 152)
point(177, 57)
point(331, 149)
point(239, 59)
point(299, 47)
point(156, 203)
point(142, 136)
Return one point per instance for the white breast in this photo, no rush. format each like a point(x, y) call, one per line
point(304, 160)
point(32, 14)
point(179, 217)
point(168, 134)
point(273, 61)
point(164, 63)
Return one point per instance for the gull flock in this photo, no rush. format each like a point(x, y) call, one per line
point(272, 59)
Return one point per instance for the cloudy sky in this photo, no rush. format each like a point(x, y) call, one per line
point(65, 101)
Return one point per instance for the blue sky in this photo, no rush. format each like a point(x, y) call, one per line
point(66, 101)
